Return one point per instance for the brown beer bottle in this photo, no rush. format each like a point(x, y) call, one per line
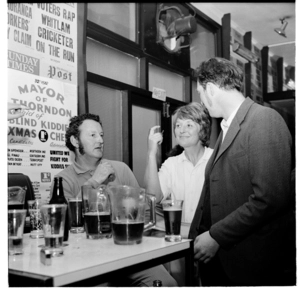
point(58, 197)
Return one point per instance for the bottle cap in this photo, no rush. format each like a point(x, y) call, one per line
point(157, 283)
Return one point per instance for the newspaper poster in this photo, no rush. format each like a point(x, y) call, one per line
point(42, 74)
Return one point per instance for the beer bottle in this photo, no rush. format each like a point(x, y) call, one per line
point(58, 197)
point(157, 283)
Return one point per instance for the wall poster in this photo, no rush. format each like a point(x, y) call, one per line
point(42, 74)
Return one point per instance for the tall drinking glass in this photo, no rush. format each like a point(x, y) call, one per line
point(172, 214)
point(53, 216)
point(76, 214)
point(16, 220)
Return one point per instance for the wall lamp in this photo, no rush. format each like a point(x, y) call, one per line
point(244, 52)
point(174, 28)
point(281, 30)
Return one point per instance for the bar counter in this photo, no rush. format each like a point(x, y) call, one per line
point(90, 262)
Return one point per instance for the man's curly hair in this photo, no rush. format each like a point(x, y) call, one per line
point(198, 113)
point(221, 72)
point(73, 128)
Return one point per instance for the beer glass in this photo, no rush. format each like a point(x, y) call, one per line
point(53, 216)
point(36, 224)
point(128, 213)
point(75, 210)
point(96, 212)
point(16, 220)
point(172, 214)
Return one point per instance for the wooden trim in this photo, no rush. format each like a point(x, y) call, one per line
point(203, 17)
point(155, 61)
point(188, 89)
point(290, 72)
point(144, 73)
point(279, 65)
point(81, 53)
point(226, 30)
point(283, 95)
point(264, 70)
point(112, 39)
point(248, 45)
point(114, 84)
point(218, 40)
point(17, 278)
point(126, 127)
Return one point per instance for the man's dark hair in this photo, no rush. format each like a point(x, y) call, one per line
point(221, 72)
point(73, 129)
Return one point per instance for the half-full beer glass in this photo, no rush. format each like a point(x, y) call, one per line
point(16, 220)
point(128, 214)
point(53, 216)
point(172, 214)
point(96, 212)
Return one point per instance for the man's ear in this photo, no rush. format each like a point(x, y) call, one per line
point(211, 89)
point(74, 142)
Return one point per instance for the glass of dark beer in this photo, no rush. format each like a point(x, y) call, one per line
point(172, 214)
point(128, 214)
point(76, 215)
point(96, 212)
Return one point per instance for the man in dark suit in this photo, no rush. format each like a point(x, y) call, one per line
point(242, 221)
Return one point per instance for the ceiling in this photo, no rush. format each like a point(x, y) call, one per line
point(261, 19)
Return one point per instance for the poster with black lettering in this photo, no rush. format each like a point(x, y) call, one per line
point(42, 74)
point(42, 39)
point(36, 141)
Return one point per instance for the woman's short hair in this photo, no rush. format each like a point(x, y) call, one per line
point(73, 128)
point(198, 113)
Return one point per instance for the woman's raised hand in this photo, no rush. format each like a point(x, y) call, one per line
point(155, 138)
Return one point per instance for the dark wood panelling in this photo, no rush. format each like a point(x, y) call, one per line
point(144, 73)
point(81, 53)
point(126, 133)
point(248, 45)
point(283, 95)
point(226, 29)
point(264, 68)
point(279, 64)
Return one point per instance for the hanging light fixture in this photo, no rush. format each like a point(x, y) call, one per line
point(281, 30)
point(244, 52)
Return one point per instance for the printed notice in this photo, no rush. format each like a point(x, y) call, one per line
point(42, 74)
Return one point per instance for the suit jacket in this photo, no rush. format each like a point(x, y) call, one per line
point(248, 178)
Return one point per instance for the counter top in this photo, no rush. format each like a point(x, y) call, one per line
point(84, 258)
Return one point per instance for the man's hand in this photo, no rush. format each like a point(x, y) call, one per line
point(154, 139)
point(205, 247)
point(102, 172)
